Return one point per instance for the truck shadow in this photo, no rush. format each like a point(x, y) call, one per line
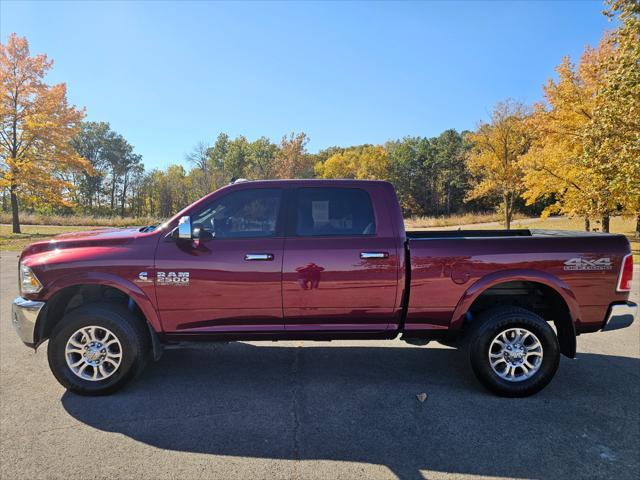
point(358, 404)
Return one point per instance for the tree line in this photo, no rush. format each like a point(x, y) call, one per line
point(576, 152)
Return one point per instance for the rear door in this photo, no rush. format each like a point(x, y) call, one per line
point(340, 266)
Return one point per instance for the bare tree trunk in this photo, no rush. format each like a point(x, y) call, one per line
point(587, 223)
point(113, 191)
point(15, 215)
point(124, 194)
point(113, 196)
point(507, 212)
point(637, 234)
point(605, 223)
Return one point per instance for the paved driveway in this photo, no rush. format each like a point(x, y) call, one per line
point(320, 410)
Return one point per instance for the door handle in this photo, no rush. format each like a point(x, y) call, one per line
point(258, 257)
point(370, 255)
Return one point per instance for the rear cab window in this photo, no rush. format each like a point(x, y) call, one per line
point(333, 212)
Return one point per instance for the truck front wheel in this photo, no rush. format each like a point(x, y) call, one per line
point(97, 348)
point(513, 351)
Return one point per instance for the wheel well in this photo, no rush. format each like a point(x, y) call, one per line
point(536, 297)
point(72, 297)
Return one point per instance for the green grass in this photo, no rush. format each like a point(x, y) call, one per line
point(31, 233)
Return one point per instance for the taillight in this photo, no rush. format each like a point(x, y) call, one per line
point(626, 274)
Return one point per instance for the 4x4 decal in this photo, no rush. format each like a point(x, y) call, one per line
point(585, 264)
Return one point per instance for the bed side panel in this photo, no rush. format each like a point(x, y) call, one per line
point(442, 270)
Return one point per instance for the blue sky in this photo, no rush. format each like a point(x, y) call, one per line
point(167, 75)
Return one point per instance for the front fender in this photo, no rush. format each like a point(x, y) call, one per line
point(503, 276)
point(108, 279)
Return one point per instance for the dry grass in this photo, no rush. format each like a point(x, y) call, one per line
point(620, 224)
point(78, 220)
point(423, 223)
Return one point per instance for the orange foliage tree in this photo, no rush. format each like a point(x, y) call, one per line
point(36, 127)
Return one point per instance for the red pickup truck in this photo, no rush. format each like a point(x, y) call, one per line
point(317, 260)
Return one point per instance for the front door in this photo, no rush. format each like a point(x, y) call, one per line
point(230, 279)
point(340, 268)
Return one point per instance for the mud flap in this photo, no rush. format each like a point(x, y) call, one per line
point(567, 338)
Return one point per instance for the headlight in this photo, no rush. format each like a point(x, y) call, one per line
point(29, 283)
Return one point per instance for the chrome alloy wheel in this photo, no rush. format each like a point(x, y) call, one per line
point(93, 353)
point(515, 354)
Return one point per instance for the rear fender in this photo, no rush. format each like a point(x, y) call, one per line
point(503, 276)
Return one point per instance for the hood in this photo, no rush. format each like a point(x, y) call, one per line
point(89, 238)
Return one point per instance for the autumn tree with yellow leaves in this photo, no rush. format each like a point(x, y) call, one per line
point(585, 152)
point(36, 127)
point(494, 158)
point(557, 164)
point(292, 159)
point(366, 162)
point(614, 129)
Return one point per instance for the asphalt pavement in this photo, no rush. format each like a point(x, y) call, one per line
point(326, 410)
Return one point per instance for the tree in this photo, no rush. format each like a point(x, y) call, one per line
point(262, 155)
point(236, 159)
point(131, 167)
point(292, 160)
point(408, 159)
point(199, 158)
point(366, 162)
point(560, 163)
point(613, 132)
point(90, 143)
point(118, 155)
point(450, 150)
point(493, 158)
point(217, 154)
point(36, 128)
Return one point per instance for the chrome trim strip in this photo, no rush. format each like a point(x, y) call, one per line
point(265, 257)
point(369, 255)
point(621, 315)
point(24, 314)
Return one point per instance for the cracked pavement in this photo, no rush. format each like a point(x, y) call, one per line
point(337, 410)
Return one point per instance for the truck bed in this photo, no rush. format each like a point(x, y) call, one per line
point(446, 265)
point(420, 234)
point(428, 234)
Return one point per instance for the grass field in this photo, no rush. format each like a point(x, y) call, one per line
point(625, 225)
point(424, 223)
point(31, 233)
point(77, 220)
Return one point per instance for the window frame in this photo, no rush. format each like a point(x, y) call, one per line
point(280, 218)
point(292, 213)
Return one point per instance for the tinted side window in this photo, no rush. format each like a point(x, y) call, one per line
point(241, 214)
point(334, 211)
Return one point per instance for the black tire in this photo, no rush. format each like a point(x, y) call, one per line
point(487, 326)
point(130, 331)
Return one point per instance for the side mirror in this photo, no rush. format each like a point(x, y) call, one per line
point(184, 228)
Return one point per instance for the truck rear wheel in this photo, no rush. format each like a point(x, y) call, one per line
point(513, 351)
point(97, 348)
